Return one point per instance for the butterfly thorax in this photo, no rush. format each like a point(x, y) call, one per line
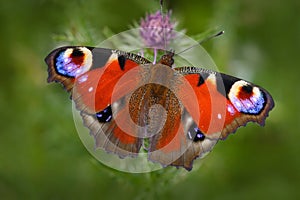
point(154, 104)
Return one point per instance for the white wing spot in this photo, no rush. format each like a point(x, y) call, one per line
point(91, 89)
point(230, 109)
point(78, 71)
point(190, 136)
point(83, 78)
point(219, 116)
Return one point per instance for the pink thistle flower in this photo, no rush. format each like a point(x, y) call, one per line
point(156, 30)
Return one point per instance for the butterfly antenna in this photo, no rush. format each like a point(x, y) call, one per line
point(161, 2)
point(202, 41)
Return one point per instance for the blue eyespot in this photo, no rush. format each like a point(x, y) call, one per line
point(105, 115)
point(64, 65)
point(252, 105)
point(195, 134)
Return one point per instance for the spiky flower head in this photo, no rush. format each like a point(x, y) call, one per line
point(156, 30)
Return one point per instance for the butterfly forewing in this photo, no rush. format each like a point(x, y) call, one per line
point(226, 102)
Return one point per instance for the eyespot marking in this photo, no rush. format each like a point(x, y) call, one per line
point(105, 115)
point(73, 62)
point(247, 98)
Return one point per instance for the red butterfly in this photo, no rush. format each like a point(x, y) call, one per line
point(176, 114)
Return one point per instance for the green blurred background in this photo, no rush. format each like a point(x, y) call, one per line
point(41, 155)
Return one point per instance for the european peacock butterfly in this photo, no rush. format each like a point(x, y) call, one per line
point(175, 114)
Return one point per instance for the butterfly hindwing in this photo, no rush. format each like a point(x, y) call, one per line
point(109, 136)
point(197, 145)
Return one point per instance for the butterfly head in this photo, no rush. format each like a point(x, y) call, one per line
point(167, 58)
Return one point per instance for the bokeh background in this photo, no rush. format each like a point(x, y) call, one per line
point(41, 155)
